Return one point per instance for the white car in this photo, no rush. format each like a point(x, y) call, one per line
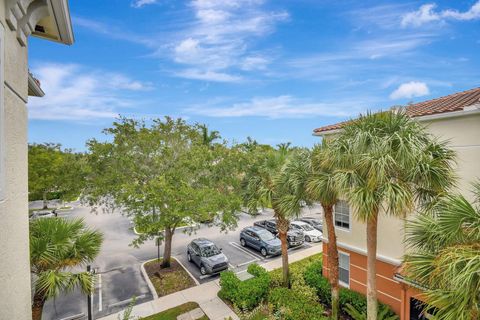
point(311, 234)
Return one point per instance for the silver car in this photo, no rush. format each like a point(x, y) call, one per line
point(207, 256)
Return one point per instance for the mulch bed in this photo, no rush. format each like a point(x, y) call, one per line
point(168, 280)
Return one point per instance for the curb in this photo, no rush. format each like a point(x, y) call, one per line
point(189, 273)
point(147, 279)
point(149, 282)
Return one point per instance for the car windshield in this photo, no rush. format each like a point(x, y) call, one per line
point(210, 250)
point(266, 236)
point(307, 227)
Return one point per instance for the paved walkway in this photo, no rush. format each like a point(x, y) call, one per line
point(205, 294)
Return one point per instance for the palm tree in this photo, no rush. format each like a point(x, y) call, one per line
point(56, 246)
point(445, 257)
point(323, 188)
point(209, 136)
point(278, 180)
point(387, 163)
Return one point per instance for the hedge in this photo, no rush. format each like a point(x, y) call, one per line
point(314, 278)
point(292, 305)
point(247, 294)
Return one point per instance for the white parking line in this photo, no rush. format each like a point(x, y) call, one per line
point(119, 303)
point(239, 247)
point(245, 263)
point(100, 307)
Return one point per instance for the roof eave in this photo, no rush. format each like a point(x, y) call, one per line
point(60, 13)
point(34, 89)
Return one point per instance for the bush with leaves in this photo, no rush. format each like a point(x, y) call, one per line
point(314, 278)
point(384, 313)
point(248, 294)
point(292, 305)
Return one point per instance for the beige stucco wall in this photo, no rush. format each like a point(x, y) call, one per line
point(464, 136)
point(14, 250)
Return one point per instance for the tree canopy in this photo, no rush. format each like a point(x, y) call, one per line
point(164, 174)
point(53, 172)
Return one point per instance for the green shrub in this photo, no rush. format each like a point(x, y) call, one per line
point(247, 294)
point(255, 270)
point(314, 278)
point(291, 305)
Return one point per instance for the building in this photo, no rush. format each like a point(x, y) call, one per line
point(48, 19)
point(455, 118)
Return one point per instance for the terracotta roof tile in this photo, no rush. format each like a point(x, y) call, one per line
point(450, 103)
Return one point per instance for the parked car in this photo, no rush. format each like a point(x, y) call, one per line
point(43, 214)
point(294, 237)
point(314, 222)
point(260, 239)
point(207, 256)
point(311, 234)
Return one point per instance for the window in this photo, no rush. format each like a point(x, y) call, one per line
point(2, 117)
point(342, 214)
point(344, 269)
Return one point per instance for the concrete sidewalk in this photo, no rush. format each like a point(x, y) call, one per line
point(206, 294)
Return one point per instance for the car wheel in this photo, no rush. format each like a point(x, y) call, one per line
point(242, 242)
point(189, 257)
point(203, 271)
point(307, 238)
point(263, 251)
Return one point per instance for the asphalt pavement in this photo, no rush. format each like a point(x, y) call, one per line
point(119, 278)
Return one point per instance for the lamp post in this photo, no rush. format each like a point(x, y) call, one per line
point(89, 298)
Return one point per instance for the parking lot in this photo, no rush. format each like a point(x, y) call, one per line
point(118, 264)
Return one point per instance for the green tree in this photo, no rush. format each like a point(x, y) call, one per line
point(387, 164)
point(52, 170)
point(445, 256)
point(277, 180)
point(323, 188)
point(208, 136)
point(163, 175)
point(56, 246)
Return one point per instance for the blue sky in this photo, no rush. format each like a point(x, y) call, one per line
point(272, 70)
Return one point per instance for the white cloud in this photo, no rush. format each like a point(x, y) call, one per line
point(219, 39)
point(75, 93)
point(284, 106)
point(409, 90)
point(207, 75)
point(427, 13)
point(141, 3)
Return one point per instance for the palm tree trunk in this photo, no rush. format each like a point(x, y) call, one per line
point(45, 201)
point(332, 259)
point(37, 306)
point(372, 267)
point(282, 225)
point(167, 252)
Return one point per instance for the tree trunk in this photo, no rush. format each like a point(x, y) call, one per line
point(45, 201)
point(332, 259)
point(282, 225)
point(167, 252)
point(37, 306)
point(372, 267)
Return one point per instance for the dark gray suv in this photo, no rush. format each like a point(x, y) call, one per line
point(207, 256)
point(261, 240)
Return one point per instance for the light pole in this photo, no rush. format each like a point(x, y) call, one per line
point(89, 297)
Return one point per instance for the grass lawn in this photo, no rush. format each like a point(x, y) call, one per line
point(168, 280)
point(172, 314)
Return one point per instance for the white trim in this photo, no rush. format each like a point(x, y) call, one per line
point(379, 291)
point(349, 218)
point(382, 258)
point(61, 15)
point(454, 114)
point(346, 285)
point(3, 139)
point(467, 111)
